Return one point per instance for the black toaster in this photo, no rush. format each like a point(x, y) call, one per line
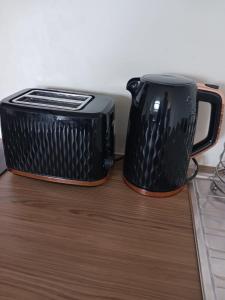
point(58, 135)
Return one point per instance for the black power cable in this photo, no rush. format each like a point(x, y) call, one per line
point(196, 170)
point(119, 158)
point(188, 179)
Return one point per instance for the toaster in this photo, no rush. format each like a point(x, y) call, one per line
point(58, 135)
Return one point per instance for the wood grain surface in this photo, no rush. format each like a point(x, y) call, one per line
point(107, 242)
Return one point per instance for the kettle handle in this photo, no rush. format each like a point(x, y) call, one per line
point(133, 84)
point(214, 96)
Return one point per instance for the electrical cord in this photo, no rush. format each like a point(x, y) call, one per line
point(116, 159)
point(196, 170)
point(119, 158)
point(188, 179)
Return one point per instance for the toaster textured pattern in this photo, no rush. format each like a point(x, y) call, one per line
point(53, 145)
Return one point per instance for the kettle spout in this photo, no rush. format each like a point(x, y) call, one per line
point(133, 85)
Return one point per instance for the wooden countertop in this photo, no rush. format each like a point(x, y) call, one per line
point(67, 242)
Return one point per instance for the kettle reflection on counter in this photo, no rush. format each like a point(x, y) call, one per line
point(161, 131)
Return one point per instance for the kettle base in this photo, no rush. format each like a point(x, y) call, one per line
point(59, 180)
point(153, 194)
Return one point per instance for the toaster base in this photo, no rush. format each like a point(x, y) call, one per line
point(59, 180)
point(152, 194)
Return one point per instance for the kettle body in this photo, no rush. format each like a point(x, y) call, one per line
point(161, 131)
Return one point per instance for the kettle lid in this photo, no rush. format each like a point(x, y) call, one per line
point(167, 79)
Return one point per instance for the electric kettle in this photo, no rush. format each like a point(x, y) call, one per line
point(161, 131)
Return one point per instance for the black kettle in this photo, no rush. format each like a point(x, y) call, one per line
point(161, 131)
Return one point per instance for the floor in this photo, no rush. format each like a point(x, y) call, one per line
point(67, 242)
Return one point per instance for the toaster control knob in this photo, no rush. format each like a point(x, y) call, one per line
point(108, 163)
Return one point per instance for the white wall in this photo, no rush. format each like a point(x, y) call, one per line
point(97, 45)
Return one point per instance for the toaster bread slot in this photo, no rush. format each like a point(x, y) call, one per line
point(53, 99)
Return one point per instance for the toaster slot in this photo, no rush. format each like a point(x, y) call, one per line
point(47, 103)
point(53, 99)
point(59, 95)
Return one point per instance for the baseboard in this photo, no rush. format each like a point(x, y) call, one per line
point(206, 169)
point(119, 153)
